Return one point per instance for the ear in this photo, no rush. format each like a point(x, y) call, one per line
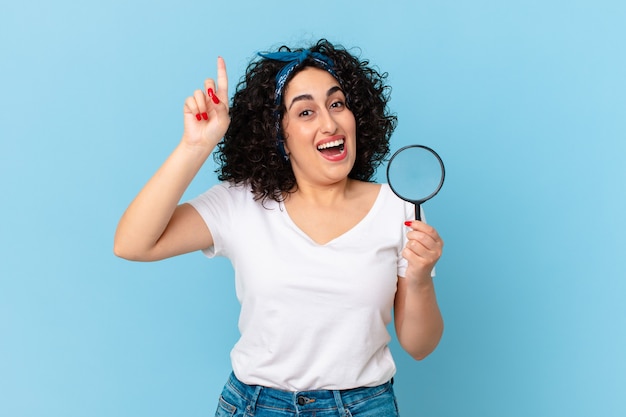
point(283, 136)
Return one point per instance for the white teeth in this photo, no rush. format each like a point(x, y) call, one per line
point(332, 144)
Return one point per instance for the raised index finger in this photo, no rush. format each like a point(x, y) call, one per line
point(222, 80)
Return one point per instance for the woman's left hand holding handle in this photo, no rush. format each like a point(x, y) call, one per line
point(422, 251)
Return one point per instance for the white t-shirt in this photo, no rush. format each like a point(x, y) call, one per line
point(312, 316)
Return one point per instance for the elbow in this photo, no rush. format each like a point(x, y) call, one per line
point(121, 251)
point(127, 246)
point(128, 252)
point(422, 348)
point(419, 356)
point(121, 248)
point(423, 353)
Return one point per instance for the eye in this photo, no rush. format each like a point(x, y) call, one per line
point(337, 104)
point(305, 113)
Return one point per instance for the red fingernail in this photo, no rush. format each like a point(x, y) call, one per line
point(205, 116)
point(408, 223)
point(198, 116)
point(213, 96)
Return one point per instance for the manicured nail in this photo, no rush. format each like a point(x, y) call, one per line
point(205, 116)
point(198, 116)
point(408, 223)
point(213, 96)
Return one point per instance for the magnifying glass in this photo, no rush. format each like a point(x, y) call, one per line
point(415, 173)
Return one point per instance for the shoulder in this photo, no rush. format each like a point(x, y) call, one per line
point(363, 189)
point(229, 189)
point(391, 201)
point(381, 193)
point(223, 194)
point(374, 188)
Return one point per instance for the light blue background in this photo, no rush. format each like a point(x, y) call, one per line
point(525, 102)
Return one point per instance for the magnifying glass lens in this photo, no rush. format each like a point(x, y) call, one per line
point(415, 174)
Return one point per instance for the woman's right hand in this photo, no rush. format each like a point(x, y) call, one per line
point(154, 225)
point(205, 113)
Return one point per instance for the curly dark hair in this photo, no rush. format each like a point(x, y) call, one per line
point(248, 153)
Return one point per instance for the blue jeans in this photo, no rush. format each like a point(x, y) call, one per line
point(241, 400)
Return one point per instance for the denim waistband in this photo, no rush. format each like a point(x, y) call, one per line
point(259, 396)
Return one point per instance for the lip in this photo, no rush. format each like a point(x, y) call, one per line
point(333, 158)
point(329, 139)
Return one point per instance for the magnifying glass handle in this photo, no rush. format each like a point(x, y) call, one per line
point(418, 212)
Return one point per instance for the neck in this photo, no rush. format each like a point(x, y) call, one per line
point(325, 195)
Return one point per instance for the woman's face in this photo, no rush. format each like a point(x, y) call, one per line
point(319, 130)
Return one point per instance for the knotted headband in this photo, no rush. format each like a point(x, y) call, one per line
point(293, 60)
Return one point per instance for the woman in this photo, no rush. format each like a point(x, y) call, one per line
point(321, 254)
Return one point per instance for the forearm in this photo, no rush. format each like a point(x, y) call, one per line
point(419, 324)
point(148, 215)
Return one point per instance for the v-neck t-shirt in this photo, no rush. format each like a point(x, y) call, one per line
point(313, 316)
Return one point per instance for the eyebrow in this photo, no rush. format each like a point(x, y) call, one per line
point(304, 97)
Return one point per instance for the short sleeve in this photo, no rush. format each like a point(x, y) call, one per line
point(216, 206)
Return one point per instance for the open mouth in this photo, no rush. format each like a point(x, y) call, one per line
point(332, 148)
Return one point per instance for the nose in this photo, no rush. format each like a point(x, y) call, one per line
point(328, 124)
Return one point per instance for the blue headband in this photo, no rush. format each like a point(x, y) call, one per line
point(293, 60)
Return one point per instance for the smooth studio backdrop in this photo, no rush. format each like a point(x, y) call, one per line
point(525, 102)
